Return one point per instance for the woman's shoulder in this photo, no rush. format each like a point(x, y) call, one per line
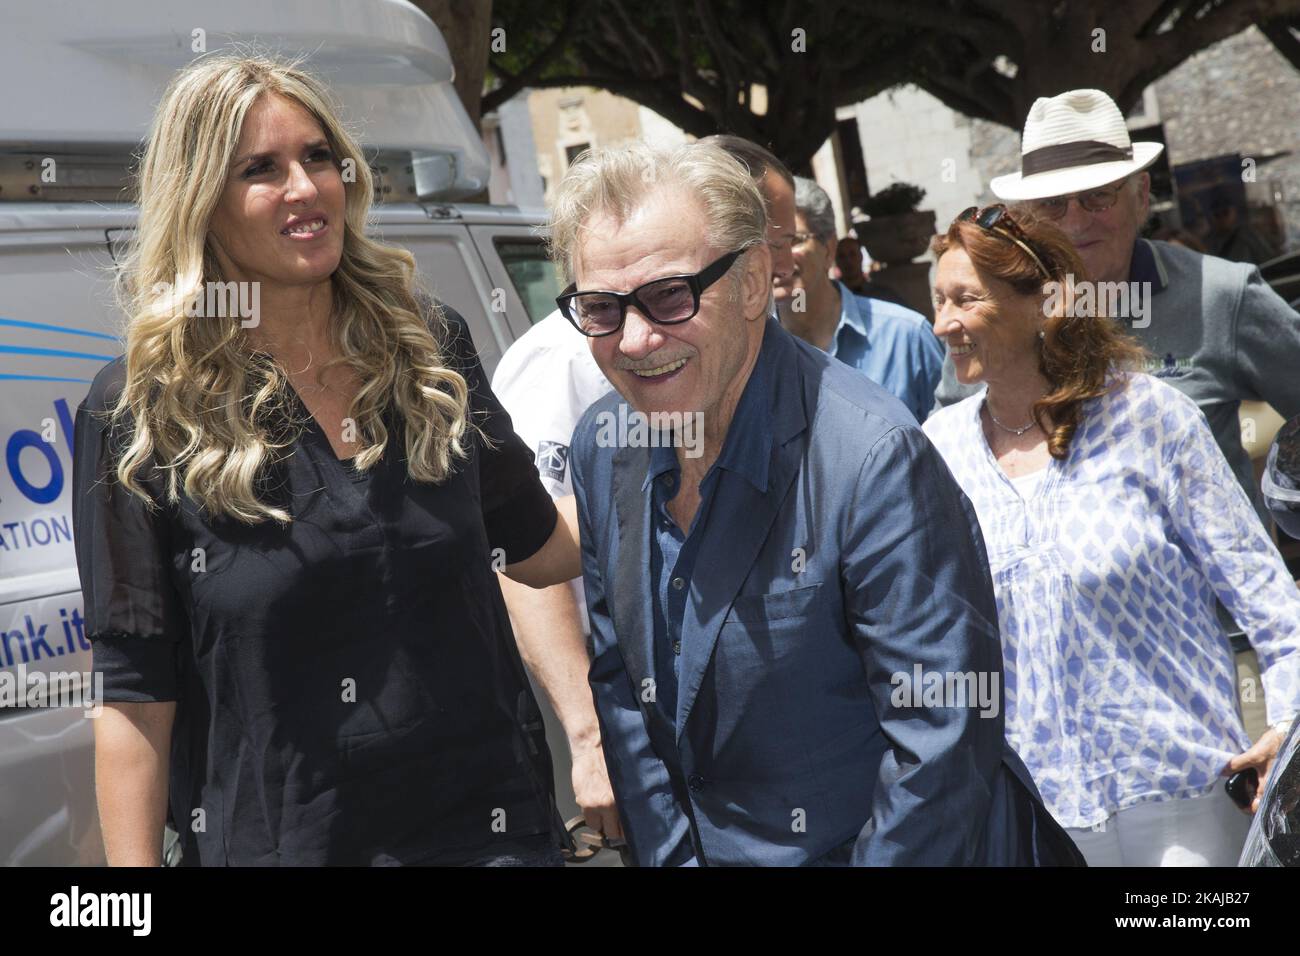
point(955, 431)
point(952, 420)
point(98, 423)
point(450, 331)
point(1141, 406)
point(103, 434)
point(1146, 396)
point(106, 387)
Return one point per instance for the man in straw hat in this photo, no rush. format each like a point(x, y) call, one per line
point(1215, 330)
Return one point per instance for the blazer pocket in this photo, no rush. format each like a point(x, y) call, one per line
point(764, 608)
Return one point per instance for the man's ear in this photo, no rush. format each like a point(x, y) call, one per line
point(756, 282)
point(1144, 194)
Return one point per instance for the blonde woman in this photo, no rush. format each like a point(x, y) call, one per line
point(286, 522)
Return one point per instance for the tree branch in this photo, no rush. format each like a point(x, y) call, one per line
point(1190, 35)
point(528, 75)
point(629, 28)
point(767, 31)
point(1281, 33)
point(610, 44)
point(878, 75)
point(924, 16)
point(1163, 11)
point(724, 55)
point(987, 96)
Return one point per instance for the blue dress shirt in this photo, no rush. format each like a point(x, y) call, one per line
point(893, 346)
point(745, 451)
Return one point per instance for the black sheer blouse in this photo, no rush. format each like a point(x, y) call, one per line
point(348, 687)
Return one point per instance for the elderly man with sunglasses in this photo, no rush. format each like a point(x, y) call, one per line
point(1215, 330)
point(546, 381)
point(795, 640)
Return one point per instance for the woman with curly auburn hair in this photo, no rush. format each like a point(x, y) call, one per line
point(1111, 521)
point(289, 516)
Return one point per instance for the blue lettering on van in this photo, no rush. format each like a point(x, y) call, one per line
point(29, 644)
point(74, 623)
point(15, 535)
point(26, 438)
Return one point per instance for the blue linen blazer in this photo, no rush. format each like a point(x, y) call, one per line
point(862, 561)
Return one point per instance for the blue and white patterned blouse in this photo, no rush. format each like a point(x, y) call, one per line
point(1120, 682)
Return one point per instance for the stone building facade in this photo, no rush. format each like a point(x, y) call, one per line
point(1239, 96)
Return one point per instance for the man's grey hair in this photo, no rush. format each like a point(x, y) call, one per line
point(618, 180)
point(815, 207)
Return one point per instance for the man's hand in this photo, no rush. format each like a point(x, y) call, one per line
point(592, 790)
point(1261, 756)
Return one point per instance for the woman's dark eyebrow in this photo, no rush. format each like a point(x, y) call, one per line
point(307, 148)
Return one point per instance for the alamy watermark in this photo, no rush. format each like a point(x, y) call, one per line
point(77, 689)
point(219, 300)
point(629, 428)
point(1115, 300)
point(922, 688)
point(133, 911)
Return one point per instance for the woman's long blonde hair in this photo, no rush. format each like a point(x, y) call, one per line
point(206, 409)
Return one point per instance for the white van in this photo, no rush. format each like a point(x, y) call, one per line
point(78, 81)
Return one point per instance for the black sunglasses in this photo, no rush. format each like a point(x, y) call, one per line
point(998, 219)
point(665, 301)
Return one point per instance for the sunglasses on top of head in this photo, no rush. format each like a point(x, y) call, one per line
point(997, 219)
point(665, 301)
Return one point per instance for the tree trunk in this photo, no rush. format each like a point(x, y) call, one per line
point(465, 25)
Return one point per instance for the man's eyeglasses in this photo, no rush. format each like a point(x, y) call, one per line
point(1093, 200)
point(665, 301)
point(997, 219)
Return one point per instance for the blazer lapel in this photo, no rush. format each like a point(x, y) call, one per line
point(629, 593)
point(738, 524)
point(739, 521)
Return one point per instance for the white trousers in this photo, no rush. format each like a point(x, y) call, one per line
point(1206, 830)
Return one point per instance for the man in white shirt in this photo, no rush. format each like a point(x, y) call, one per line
point(547, 380)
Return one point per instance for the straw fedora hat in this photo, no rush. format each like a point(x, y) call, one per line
point(1073, 142)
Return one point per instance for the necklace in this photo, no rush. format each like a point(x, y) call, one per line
point(1006, 428)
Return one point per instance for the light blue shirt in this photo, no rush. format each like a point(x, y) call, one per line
point(893, 346)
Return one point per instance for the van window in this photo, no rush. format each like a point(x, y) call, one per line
point(534, 276)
